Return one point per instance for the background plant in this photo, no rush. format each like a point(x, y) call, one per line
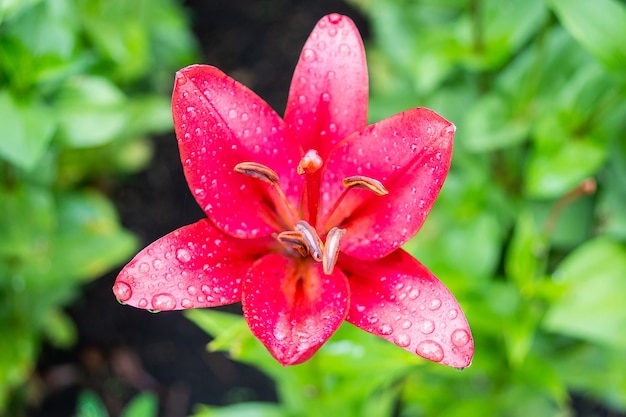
point(82, 85)
point(529, 232)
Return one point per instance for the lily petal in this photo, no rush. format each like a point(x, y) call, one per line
point(328, 94)
point(400, 300)
point(220, 123)
point(194, 266)
point(410, 155)
point(292, 307)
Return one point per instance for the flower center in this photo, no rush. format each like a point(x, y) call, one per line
point(302, 235)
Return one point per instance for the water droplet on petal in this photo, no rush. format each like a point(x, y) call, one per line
point(427, 326)
point(279, 334)
point(334, 18)
point(308, 55)
point(163, 302)
point(143, 303)
point(360, 308)
point(406, 324)
point(144, 267)
point(414, 293)
point(402, 340)
point(186, 303)
point(332, 31)
point(430, 350)
point(385, 329)
point(122, 291)
point(435, 303)
point(183, 255)
point(157, 264)
point(452, 314)
point(344, 49)
point(232, 113)
point(460, 337)
point(325, 97)
point(192, 290)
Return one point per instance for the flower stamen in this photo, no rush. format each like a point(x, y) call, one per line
point(294, 240)
point(331, 249)
point(259, 171)
point(360, 181)
point(311, 239)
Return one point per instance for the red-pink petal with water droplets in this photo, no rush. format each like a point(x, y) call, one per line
point(194, 266)
point(410, 155)
point(400, 300)
point(292, 307)
point(220, 123)
point(328, 93)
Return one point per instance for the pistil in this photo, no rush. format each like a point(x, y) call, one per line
point(309, 166)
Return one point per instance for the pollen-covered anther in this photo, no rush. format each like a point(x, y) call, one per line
point(331, 249)
point(310, 162)
point(256, 170)
point(311, 239)
point(293, 239)
point(360, 181)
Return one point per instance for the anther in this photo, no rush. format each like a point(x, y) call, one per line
point(256, 170)
point(310, 162)
point(359, 181)
point(294, 240)
point(311, 239)
point(331, 249)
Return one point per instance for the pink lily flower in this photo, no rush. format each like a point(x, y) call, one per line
point(306, 214)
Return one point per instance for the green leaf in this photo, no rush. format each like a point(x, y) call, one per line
point(59, 329)
point(90, 405)
point(91, 111)
point(591, 307)
point(145, 404)
point(26, 131)
point(599, 25)
point(251, 409)
point(552, 173)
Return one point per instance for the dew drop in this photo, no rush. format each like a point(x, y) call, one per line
point(157, 264)
point(332, 31)
point(385, 329)
point(192, 290)
point(414, 293)
point(344, 49)
point(186, 303)
point(143, 303)
point(144, 267)
point(183, 255)
point(430, 350)
point(232, 113)
point(279, 334)
point(427, 326)
point(163, 302)
point(406, 324)
point(122, 291)
point(435, 303)
point(325, 97)
point(460, 337)
point(452, 314)
point(360, 308)
point(334, 18)
point(308, 55)
point(402, 340)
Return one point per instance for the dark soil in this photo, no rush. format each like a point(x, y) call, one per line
point(121, 350)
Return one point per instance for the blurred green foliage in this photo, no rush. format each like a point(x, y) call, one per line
point(82, 85)
point(144, 404)
point(529, 231)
